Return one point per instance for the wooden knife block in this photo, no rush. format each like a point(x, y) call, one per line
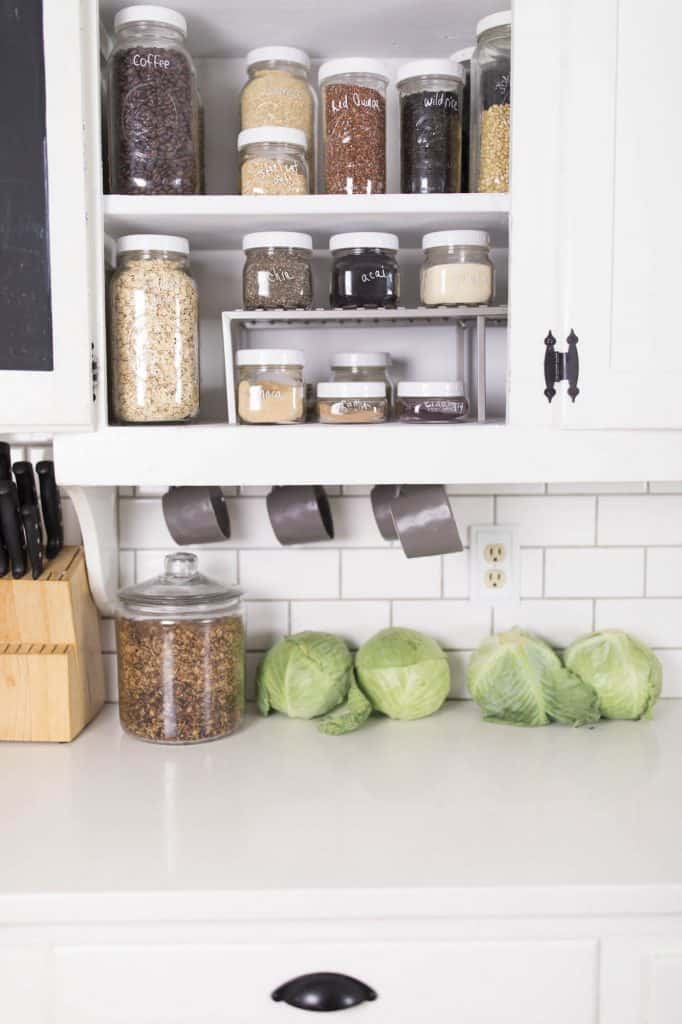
point(51, 670)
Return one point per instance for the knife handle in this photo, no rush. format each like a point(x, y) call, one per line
point(26, 483)
point(5, 461)
point(52, 508)
point(4, 556)
point(34, 538)
point(12, 528)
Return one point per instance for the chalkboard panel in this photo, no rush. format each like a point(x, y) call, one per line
point(25, 305)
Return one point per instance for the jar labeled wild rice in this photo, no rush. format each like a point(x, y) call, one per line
point(365, 273)
point(354, 120)
point(457, 270)
point(491, 104)
point(277, 271)
point(271, 388)
point(430, 126)
point(273, 162)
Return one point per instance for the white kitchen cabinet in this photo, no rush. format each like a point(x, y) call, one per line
point(641, 980)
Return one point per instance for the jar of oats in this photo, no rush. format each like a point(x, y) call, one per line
point(491, 105)
point(273, 162)
point(180, 655)
point(154, 356)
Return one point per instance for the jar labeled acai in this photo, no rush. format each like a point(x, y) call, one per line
point(354, 120)
point(277, 272)
point(365, 273)
point(457, 269)
point(430, 126)
point(431, 401)
point(271, 388)
point(273, 162)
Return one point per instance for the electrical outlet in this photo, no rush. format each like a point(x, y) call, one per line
point(494, 564)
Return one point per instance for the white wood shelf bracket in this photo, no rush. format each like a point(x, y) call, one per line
point(97, 512)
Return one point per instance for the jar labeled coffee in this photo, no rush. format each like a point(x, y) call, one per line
point(463, 58)
point(491, 104)
point(154, 130)
point(431, 401)
point(457, 269)
point(271, 388)
point(154, 331)
point(352, 402)
point(273, 162)
point(365, 273)
point(181, 653)
point(354, 121)
point(277, 271)
point(430, 126)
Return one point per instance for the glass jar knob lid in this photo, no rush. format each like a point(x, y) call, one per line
point(181, 585)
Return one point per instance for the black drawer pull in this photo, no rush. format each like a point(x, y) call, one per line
point(324, 992)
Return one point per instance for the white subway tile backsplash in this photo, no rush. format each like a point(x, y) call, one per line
point(471, 511)
point(495, 488)
point(108, 634)
point(72, 532)
point(594, 572)
point(385, 574)
point(459, 662)
point(666, 487)
point(671, 660)
point(126, 568)
point(354, 523)
point(456, 574)
point(289, 574)
point(218, 565)
point(557, 622)
point(664, 572)
point(550, 520)
point(355, 621)
point(611, 488)
point(651, 519)
point(110, 677)
point(266, 623)
point(656, 621)
point(531, 572)
point(456, 625)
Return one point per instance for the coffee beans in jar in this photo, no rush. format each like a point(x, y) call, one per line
point(365, 273)
point(277, 271)
point(430, 126)
point(354, 118)
point(154, 131)
point(273, 162)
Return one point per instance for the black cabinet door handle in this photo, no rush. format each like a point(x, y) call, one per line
point(324, 992)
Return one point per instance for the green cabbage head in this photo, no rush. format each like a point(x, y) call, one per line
point(304, 675)
point(403, 673)
point(518, 679)
point(626, 674)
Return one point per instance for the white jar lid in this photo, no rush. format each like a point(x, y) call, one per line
point(150, 12)
point(431, 389)
point(493, 21)
point(288, 54)
point(162, 243)
point(359, 389)
point(361, 359)
point(364, 240)
point(464, 55)
point(277, 240)
point(436, 68)
point(352, 66)
point(270, 357)
point(271, 133)
point(435, 239)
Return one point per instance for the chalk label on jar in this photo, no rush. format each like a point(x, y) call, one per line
point(374, 275)
point(258, 394)
point(446, 100)
point(150, 60)
point(279, 276)
point(455, 406)
point(503, 88)
point(354, 98)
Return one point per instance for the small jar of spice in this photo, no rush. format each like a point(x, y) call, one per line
point(273, 162)
point(365, 273)
point(354, 119)
point(457, 269)
point(431, 401)
point(430, 126)
point(352, 403)
point(271, 388)
point(277, 272)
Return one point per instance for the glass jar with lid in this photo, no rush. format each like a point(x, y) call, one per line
point(277, 272)
point(491, 104)
point(356, 402)
point(354, 121)
point(431, 401)
point(457, 269)
point(348, 367)
point(153, 103)
point(273, 162)
point(278, 92)
point(463, 58)
point(181, 655)
point(430, 94)
point(154, 331)
point(271, 387)
point(365, 272)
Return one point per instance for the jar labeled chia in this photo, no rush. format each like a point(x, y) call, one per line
point(354, 123)
point(271, 388)
point(277, 272)
point(278, 92)
point(153, 115)
point(463, 58)
point(359, 402)
point(431, 401)
point(457, 269)
point(491, 104)
point(273, 162)
point(430, 94)
point(365, 272)
point(181, 654)
point(154, 331)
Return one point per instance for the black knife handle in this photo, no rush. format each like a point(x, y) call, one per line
point(5, 461)
point(52, 508)
point(4, 556)
point(12, 528)
point(34, 538)
point(26, 483)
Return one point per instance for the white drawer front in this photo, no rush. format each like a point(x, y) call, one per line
point(23, 985)
point(417, 983)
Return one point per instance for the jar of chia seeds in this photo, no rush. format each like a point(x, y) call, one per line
point(365, 273)
point(271, 388)
point(463, 58)
point(431, 401)
point(277, 272)
point(491, 104)
point(457, 269)
point(354, 120)
point(273, 162)
point(430, 126)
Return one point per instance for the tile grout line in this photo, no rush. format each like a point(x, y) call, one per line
point(646, 572)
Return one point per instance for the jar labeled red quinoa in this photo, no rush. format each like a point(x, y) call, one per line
point(354, 121)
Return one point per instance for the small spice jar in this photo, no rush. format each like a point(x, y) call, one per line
point(271, 388)
point(430, 126)
point(457, 269)
point(278, 92)
point(463, 58)
point(154, 331)
point(365, 272)
point(352, 403)
point(350, 367)
point(180, 655)
point(491, 104)
point(431, 401)
point(354, 121)
point(273, 162)
point(153, 115)
point(277, 272)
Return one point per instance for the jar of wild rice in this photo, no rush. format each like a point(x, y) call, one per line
point(491, 104)
point(430, 126)
point(273, 162)
point(354, 119)
point(277, 272)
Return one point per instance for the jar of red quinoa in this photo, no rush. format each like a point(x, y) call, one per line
point(354, 122)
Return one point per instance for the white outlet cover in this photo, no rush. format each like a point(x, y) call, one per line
point(479, 539)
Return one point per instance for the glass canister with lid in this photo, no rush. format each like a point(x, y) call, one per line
point(356, 402)
point(271, 388)
point(361, 366)
point(431, 401)
point(457, 269)
point(153, 105)
point(430, 126)
point(491, 104)
point(365, 272)
point(354, 122)
point(277, 271)
point(463, 58)
point(273, 162)
point(181, 655)
point(154, 331)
